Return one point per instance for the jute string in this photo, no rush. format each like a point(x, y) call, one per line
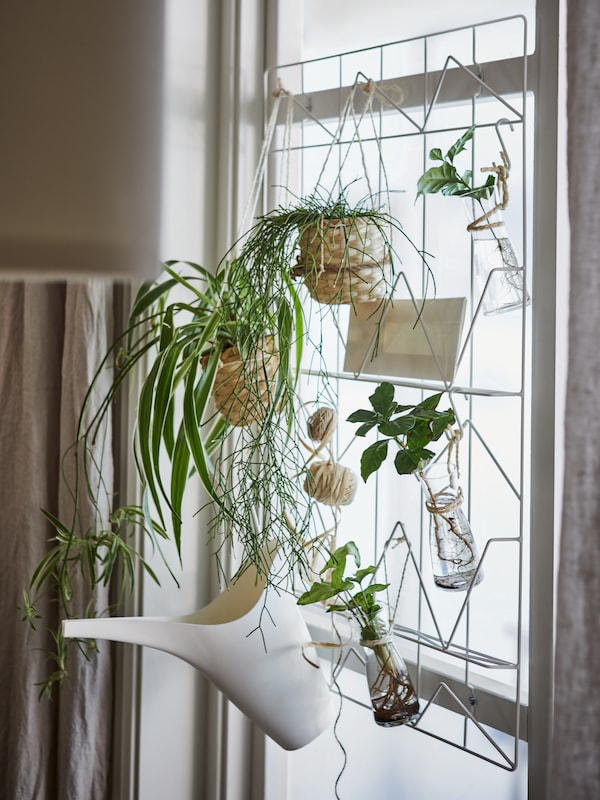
point(375, 642)
point(432, 505)
point(482, 223)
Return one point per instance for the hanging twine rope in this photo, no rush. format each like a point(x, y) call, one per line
point(257, 184)
point(502, 172)
point(327, 481)
point(393, 95)
point(320, 427)
point(386, 639)
point(433, 505)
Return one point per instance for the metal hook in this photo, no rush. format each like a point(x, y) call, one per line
point(497, 124)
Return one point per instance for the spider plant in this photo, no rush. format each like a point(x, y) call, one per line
point(178, 330)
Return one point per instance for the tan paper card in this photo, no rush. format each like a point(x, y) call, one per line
point(428, 351)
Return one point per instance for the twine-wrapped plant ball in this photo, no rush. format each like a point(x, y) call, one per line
point(331, 483)
point(321, 424)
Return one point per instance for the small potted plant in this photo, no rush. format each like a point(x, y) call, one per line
point(342, 251)
point(499, 276)
point(392, 694)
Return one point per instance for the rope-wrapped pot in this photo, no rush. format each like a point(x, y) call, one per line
point(243, 388)
point(344, 261)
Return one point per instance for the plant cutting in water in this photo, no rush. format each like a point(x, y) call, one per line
point(495, 259)
point(392, 694)
point(412, 429)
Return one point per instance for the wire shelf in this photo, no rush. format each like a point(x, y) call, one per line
point(433, 96)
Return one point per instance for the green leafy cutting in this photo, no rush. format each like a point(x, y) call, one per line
point(411, 428)
point(361, 603)
point(446, 179)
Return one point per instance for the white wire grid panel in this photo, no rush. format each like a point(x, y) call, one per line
point(466, 650)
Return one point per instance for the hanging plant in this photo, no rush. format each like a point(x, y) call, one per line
point(393, 697)
point(343, 252)
point(181, 329)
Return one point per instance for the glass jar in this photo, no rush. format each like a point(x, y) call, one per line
point(454, 556)
point(498, 275)
point(393, 696)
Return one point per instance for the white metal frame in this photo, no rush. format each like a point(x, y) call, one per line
point(523, 74)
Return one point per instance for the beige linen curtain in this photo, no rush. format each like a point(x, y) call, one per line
point(51, 337)
point(575, 756)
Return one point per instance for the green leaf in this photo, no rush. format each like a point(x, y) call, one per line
point(317, 593)
point(440, 424)
point(148, 294)
point(364, 429)
point(482, 192)
point(361, 574)
point(373, 588)
point(166, 329)
point(56, 523)
point(459, 144)
point(420, 435)
point(382, 399)
point(45, 568)
point(430, 402)
point(191, 423)
point(372, 458)
point(445, 178)
point(162, 406)
point(409, 461)
point(179, 474)
point(398, 426)
point(436, 179)
point(144, 435)
point(362, 415)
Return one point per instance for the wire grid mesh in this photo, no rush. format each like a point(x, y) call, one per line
point(406, 97)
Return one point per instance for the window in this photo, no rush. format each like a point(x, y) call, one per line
point(494, 372)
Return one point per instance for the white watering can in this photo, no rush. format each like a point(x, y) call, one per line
point(263, 672)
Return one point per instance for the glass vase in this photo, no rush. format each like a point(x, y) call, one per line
point(393, 696)
point(454, 556)
point(498, 275)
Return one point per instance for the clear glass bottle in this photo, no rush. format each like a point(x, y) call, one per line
point(454, 556)
point(498, 275)
point(392, 693)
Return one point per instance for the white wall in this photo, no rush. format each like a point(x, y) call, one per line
point(190, 744)
point(174, 695)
